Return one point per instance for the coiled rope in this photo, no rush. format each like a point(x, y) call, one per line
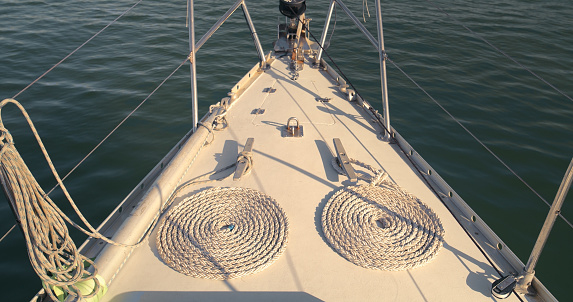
point(52, 252)
point(381, 226)
point(223, 233)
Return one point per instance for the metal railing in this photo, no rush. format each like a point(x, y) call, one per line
point(194, 47)
point(524, 279)
point(377, 43)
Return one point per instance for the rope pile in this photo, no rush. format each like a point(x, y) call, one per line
point(380, 226)
point(52, 253)
point(51, 250)
point(223, 233)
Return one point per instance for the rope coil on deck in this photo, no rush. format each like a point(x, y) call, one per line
point(381, 226)
point(223, 233)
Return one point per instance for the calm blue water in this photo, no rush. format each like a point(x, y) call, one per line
point(521, 119)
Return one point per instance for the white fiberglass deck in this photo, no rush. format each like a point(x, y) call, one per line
point(297, 173)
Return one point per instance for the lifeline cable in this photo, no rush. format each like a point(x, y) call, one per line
point(105, 138)
point(500, 51)
point(75, 50)
point(477, 139)
point(434, 100)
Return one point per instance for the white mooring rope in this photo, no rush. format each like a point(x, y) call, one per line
point(52, 252)
point(380, 226)
point(223, 233)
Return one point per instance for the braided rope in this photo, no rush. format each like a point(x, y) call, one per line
point(52, 252)
point(223, 233)
point(378, 176)
point(379, 225)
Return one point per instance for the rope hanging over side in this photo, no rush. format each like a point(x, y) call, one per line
point(52, 252)
point(31, 181)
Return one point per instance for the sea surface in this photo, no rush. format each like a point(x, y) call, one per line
point(520, 118)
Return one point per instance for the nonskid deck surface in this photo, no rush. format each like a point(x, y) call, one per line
point(297, 173)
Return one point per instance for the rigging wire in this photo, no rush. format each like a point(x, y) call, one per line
point(499, 50)
point(327, 44)
point(476, 139)
point(75, 50)
point(92, 231)
point(52, 68)
point(445, 110)
point(365, 4)
point(121, 123)
point(9, 231)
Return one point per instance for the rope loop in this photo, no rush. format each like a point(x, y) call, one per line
point(6, 140)
point(247, 157)
point(220, 123)
point(378, 176)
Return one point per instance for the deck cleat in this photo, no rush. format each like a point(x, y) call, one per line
point(502, 288)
